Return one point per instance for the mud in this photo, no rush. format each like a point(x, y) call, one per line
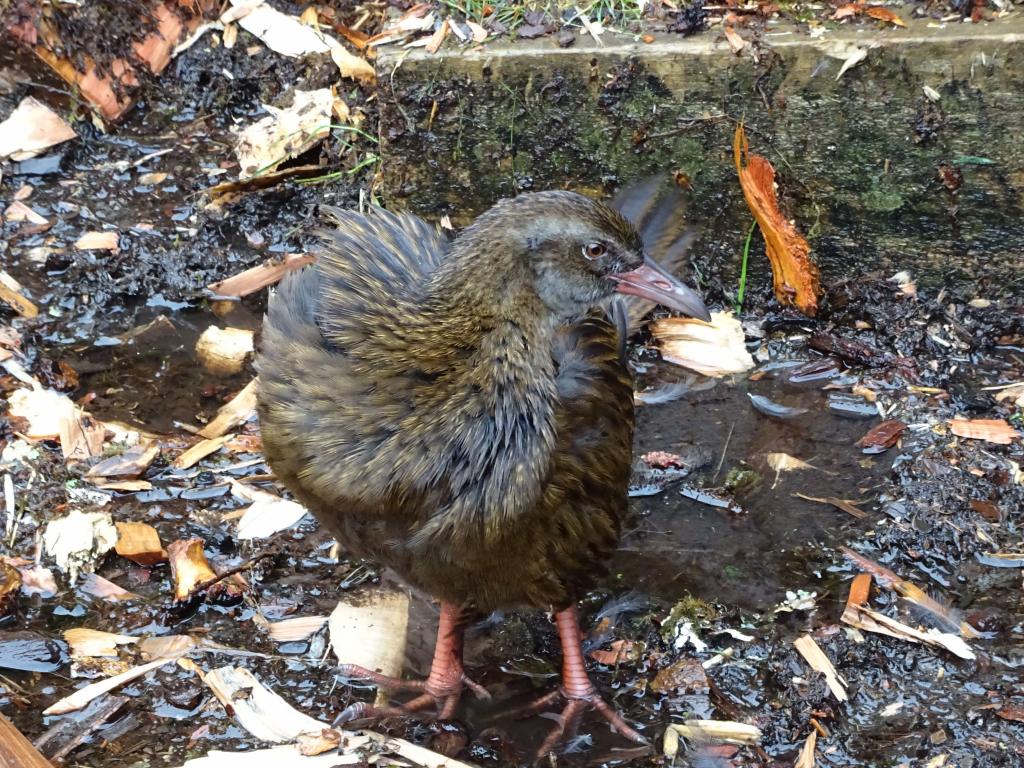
point(936, 506)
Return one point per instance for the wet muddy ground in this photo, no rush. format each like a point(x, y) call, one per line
point(935, 506)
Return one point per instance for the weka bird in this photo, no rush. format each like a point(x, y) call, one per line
point(462, 412)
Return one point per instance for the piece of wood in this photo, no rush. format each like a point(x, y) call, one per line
point(16, 751)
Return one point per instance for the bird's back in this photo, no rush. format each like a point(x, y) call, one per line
point(399, 460)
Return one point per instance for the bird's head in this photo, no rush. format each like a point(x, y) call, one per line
point(580, 252)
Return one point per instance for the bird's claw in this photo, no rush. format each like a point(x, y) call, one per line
point(576, 703)
point(444, 697)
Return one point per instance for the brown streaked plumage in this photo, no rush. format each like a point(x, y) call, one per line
point(462, 412)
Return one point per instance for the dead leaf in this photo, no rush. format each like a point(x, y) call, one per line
point(140, 543)
point(31, 128)
point(860, 590)
point(97, 586)
point(350, 65)
point(239, 410)
point(257, 278)
point(712, 349)
point(848, 11)
point(479, 33)
point(10, 588)
point(882, 437)
point(98, 241)
point(620, 651)
point(189, 567)
point(794, 275)
point(819, 662)
point(704, 731)
point(732, 37)
point(990, 430)
point(166, 646)
point(884, 14)
point(229, 36)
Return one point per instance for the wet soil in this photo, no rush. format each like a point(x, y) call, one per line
point(127, 324)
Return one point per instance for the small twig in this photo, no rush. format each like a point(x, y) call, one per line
point(202, 588)
point(725, 448)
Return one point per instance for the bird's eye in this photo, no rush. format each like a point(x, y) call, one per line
point(594, 250)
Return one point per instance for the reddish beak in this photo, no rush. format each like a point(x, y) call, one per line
point(651, 281)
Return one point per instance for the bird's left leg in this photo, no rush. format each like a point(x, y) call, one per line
point(443, 686)
point(577, 690)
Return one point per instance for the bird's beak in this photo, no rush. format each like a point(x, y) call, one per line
point(653, 282)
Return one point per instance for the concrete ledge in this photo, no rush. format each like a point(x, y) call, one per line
point(868, 165)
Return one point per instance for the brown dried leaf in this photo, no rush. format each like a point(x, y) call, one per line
point(795, 275)
point(860, 590)
point(352, 66)
point(882, 437)
point(140, 543)
point(104, 589)
point(621, 650)
point(10, 586)
point(990, 430)
point(848, 11)
point(884, 14)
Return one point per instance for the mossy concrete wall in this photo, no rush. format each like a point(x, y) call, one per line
point(879, 175)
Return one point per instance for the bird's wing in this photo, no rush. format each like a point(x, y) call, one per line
point(657, 209)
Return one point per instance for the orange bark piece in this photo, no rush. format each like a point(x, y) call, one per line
point(794, 275)
point(860, 590)
point(259, 277)
point(140, 543)
point(189, 567)
point(990, 430)
point(884, 14)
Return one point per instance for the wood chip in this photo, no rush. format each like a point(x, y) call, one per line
point(223, 351)
point(712, 349)
point(350, 65)
point(295, 629)
point(819, 662)
point(98, 241)
point(189, 567)
point(130, 464)
point(257, 278)
point(97, 586)
point(437, 39)
point(140, 543)
point(239, 410)
point(200, 451)
point(703, 731)
point(87, 642)
point(31, 128)
point(806, 757)
point(18, 211)
point(83, 696)
point(732, 37)
point(16, 301)
point(996, 431)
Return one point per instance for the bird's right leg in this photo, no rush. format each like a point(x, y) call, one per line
point(442, 688)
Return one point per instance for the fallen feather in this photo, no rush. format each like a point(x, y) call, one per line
point(140, 543)
point(223, 351)
point(769, 407)
point(78, 540)
point(87, 642)
point(295, 629)
point(237, 411)
point(853, 58)
point(267, 515)
point(819, 662)
point(285, 133)
point(713, 349)
point(31, 128)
